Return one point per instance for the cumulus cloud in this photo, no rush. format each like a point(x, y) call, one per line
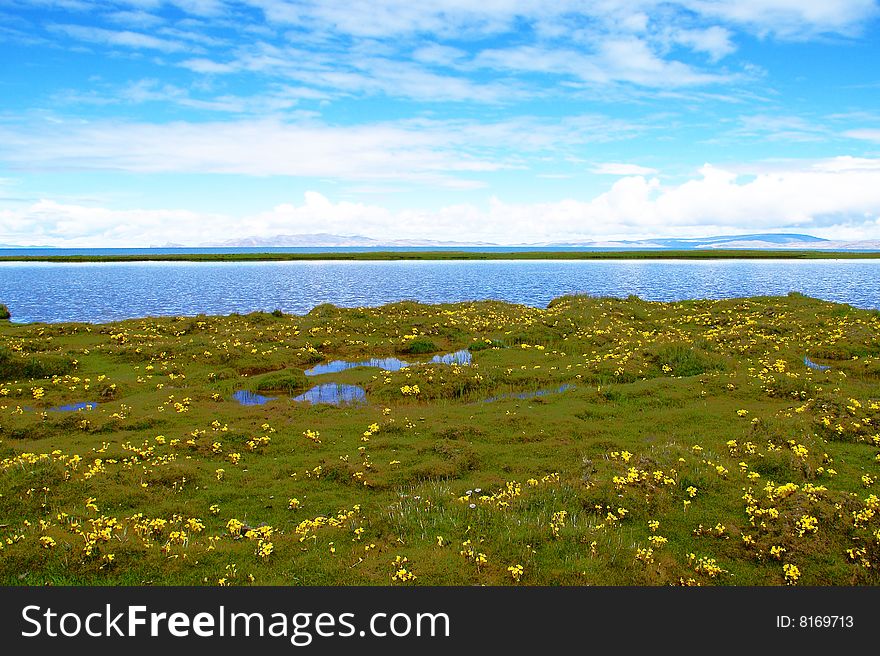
point(837, 198)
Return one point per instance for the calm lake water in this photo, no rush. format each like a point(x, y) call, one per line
point(100, 292)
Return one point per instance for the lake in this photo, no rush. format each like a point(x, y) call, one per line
point(107, 291)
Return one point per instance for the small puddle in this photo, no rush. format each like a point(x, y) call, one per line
point(246, 397)
point(529, 395)
point(334, 394)
point(462, 357)
point(386, 364)
point(73, 407)
point(813, 365)
point(459, 357)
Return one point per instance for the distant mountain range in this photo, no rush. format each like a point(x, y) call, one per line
point(785, 241)
point(324, 240)
point(767, 241)
point(773, 241)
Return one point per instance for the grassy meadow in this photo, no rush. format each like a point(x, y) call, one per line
point(693, 446)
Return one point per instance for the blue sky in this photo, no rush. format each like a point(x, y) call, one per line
point(139, 122)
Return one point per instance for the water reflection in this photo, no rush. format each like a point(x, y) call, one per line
point(529, 395)
point(813, 365)
point(73, 407)
point(387, 364)
point(462, 357)
point(334, 394)
point(246, 397)
point(459, 357)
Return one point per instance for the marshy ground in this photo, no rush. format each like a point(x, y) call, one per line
point(597, 441)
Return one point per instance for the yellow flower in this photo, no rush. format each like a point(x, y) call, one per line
point(792, 573)
point(264, 549)
point(807, 524)
point(657, 540)
point(516, 571)
point(234, 527)
point(645, 555)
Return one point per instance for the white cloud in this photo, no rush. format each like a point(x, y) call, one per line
point(715, 41)
point(248, 147)
point(137, 19)
point(402, 17)
point(122, 38)
point(622, 59)
point(633, 60)
point(433, 152)
point(837, 198)
point(865, 134)
point(790, 18)
point(770, 127)
point(595, 43)
point(203, 65)
point(439, 55)
point(342, 74)
point(455, 50)
point(616, 168)
point(847, 163)
point(202, 7)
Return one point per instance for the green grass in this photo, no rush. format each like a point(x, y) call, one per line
point(698, 415)
point(289, 381)
point(420, 346)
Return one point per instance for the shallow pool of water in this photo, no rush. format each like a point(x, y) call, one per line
point(459, 357)
point(462, 357)
point(813, 365)
point(334, 367)
point(334, 394)
point(246, 397)
point(529, 395)
point(73, 407)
